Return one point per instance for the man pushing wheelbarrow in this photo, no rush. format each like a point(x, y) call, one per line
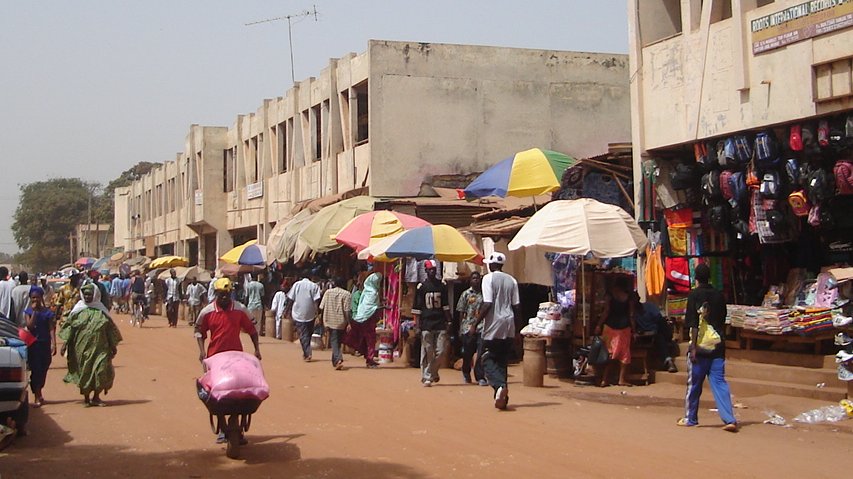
point(233, 385)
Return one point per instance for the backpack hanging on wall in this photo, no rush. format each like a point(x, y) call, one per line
point(711, 191)
point(718, 216)
point(843, 171)
point(821, 186)
point(770, 185)
point(795, 140)
point(685, 176)
point(726, 153)
point(799, 203)
point(743, 149)
point(737, 183)
point(823, 133)
point(706, 161)
point(792, 171)
point(766, 151)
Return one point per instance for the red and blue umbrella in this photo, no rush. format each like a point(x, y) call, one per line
point(527, 173)
point(85, 262)
point(441, 242)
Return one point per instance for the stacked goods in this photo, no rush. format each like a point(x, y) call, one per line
point(549, 321)
point(757, 318)
point(809, 323)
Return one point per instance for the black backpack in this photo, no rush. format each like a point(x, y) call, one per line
point(821, 186)
point(711, 190)
point(776, 221)
point(685, 176)
point(766, 151)
point(718, 216)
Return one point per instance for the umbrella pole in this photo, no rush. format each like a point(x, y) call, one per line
point(584, 314)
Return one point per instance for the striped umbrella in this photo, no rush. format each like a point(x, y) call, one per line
point(249, 253)
point(368, 228)
point(527, 173)
point(441, 242)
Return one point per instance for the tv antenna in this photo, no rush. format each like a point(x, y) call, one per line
point(290, 21)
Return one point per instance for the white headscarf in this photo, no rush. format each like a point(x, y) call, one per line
point(96, 302)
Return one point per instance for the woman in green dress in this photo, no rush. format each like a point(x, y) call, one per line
point(91, 338)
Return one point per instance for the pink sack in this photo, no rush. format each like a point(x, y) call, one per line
point(234, 375)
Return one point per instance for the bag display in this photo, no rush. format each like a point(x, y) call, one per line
point(743, 149)
point(795, 141)
point(726, 185)
point(792, 171)
point(726, 153)
point(799, 203)
point(708, 337)
point(843, 171)
point(770, 187)
point(685, 176)
point(711, 187)
point(718, 216)
point(766, 151)
point(821, 186)
point(737, 184)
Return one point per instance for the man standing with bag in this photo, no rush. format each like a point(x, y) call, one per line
point(499, 311)
point(706, 354)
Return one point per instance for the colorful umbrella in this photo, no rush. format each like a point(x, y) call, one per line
point(368, 228)
point(101, 264)
point(248, 253)
point(230, 269)
point(441, 242)
point(85, 262)
point(319, 233)
point(168, 262)
point(528, 173)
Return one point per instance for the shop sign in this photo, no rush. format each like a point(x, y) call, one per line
point(199, 198)
point(800, 22)
point(255, 190)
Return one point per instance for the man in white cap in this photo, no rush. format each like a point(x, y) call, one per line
point(431, 313)
point(499, 312)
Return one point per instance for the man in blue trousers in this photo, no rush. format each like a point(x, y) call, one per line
point(709, 363)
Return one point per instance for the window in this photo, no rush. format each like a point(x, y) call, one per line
point(721, 10)
point(361, 112)
point(252, 150)
point(762, 3)
point(260, 157)
point(659, 19)
point(281, 150)
point(228, 169)
point(317, 131)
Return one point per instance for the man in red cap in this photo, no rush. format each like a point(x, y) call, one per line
point(431, 313)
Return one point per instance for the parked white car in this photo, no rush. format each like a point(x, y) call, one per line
point(14, 378)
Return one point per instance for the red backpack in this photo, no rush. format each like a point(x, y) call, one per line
point(844, 177)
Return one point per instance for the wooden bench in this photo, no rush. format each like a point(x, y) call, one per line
point(817, 340)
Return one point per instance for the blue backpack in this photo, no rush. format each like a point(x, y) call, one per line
point(766, 151)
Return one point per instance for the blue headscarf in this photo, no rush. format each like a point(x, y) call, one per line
point(36, 290)
point(370, 300)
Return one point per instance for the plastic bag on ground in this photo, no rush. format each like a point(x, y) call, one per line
point(833, 413)
point(234, 375)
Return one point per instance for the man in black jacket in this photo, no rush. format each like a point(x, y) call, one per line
point(706, 303)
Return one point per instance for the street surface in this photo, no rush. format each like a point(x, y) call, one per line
point(362, 423)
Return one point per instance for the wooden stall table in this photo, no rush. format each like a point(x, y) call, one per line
point(748, 336)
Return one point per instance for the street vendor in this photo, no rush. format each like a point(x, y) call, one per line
point(616, 325)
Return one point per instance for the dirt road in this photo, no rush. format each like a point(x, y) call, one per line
point(363, 423)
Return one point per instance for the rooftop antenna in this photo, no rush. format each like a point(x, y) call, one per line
point(289, 18)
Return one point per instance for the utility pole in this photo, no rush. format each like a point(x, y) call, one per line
point(289, 18)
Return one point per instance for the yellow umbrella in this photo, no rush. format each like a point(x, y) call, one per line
point(319, 234)
point(168, 262)
point(248, 253)
point(180, 272)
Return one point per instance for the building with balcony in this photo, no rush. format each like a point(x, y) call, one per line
point(385, 120)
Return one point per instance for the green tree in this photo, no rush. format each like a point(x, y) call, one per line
point(103, 207)
point(47, 213)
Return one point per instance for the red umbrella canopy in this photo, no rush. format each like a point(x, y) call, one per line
point(85, 262)
point(368, 228)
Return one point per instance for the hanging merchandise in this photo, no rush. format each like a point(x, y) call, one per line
point(795, 142)
point(565, 269)
point(678, 274)
point(843, 177)
point(655, 274)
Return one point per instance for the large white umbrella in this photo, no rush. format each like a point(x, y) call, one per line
point(581, 227)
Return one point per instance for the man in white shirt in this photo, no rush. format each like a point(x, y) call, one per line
point(173, 298)
point(499, 312)
point(195, 292)
point(21, 298)
point(6, 286)
point(304, 302)
point(278, 307)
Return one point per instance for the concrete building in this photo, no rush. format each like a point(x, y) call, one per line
point(385, 119)
point(705, 69)
point(94, 240)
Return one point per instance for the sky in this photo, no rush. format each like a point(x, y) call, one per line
point(90, 88)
